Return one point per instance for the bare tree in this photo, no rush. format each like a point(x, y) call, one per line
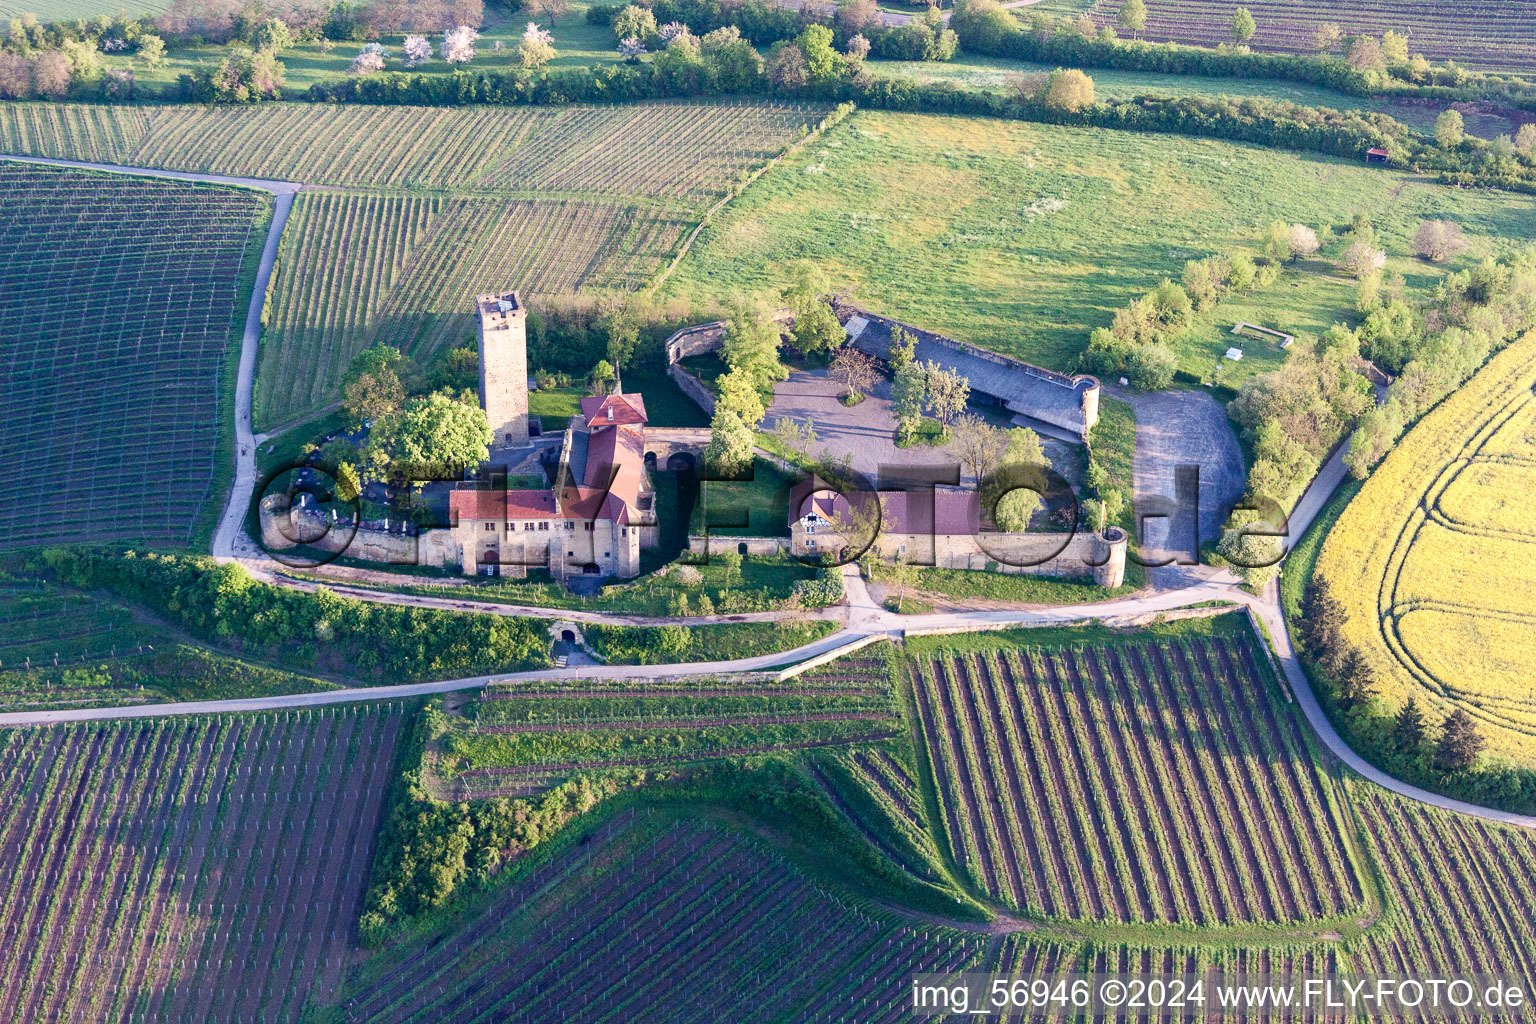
point(1437, 239)
point(854, 370)
point(50, 74)
point(855, 16)
point(1030, 85)
point(15, 76)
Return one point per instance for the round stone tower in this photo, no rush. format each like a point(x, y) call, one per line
point(1109, 551)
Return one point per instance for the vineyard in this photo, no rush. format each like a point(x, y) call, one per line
point(685, 152)
point(1457, 885)
point(191, 869)
point(357, 269)
point(517, 741)
point(1481, 33)
point(655, 919)
point(118, 300)
point(1149, 781)
point(1424, 557)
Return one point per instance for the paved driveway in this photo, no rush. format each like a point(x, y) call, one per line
point(1177, 429)
point(867, 431)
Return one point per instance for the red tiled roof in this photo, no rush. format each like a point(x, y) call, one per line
point(511, 504)
point(627, 410)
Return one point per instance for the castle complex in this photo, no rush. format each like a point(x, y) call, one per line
point(601, 509)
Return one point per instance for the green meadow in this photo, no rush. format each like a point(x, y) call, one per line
point(1024, 237)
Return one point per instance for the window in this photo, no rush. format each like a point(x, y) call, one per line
point(490, 527)
point(810, 529)
point(589, 527)
point(569, 526)
point(811, 544)
point(544, 526)
point(527, 527)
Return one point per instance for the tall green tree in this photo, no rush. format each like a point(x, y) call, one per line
point(373, 384)
point(1242, 25)
point(1408, 729)
point(909, 393)
point(752, 345)
point(1460, 743)
point(1133, 17)
point(432, 431)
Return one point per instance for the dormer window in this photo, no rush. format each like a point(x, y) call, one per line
point(610, 414)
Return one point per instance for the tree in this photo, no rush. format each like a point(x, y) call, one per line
point(1303, 241)
point(1408, 729)
point(634, 21)
point(786, 68)
point(857, 49)
point(909, 393)
point(623, 328)
point(730, 444)
point(948, 391)
point(372, 387)
point(730, 564)
point(794, 434)
point(902, 574)
point(15, 77)
point(1323, 619)
point(854, 370)
point(739, 395)
point(1365, 54)
point(631, 48)
point(854, 16)
point(903, 348)
point(978, 445)
point(151, 51)
point(603, 378)
point(436, 430)
point(1394, 47)
point(459, 45)
point(1277, 241)
point(1240, 271)
point(1133, 17)
point(537, 47)
point(1450, 129)
point(271, 36)
point(1029, 85)
point(1525, 139)
point(368, 60)
point(1356, 679)
point(1437, 239)
point(417, 50)
point(1362, 258)
point(1016, 505)
point(820, 60)
point(1325, 37)
point(816, 328)
point(1068, 90)
point(1459, 744)
point(1242, 25)
point(752, 344)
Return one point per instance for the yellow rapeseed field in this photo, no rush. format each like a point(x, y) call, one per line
point(1434, 560)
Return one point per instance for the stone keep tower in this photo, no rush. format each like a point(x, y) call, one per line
point(503, 326)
